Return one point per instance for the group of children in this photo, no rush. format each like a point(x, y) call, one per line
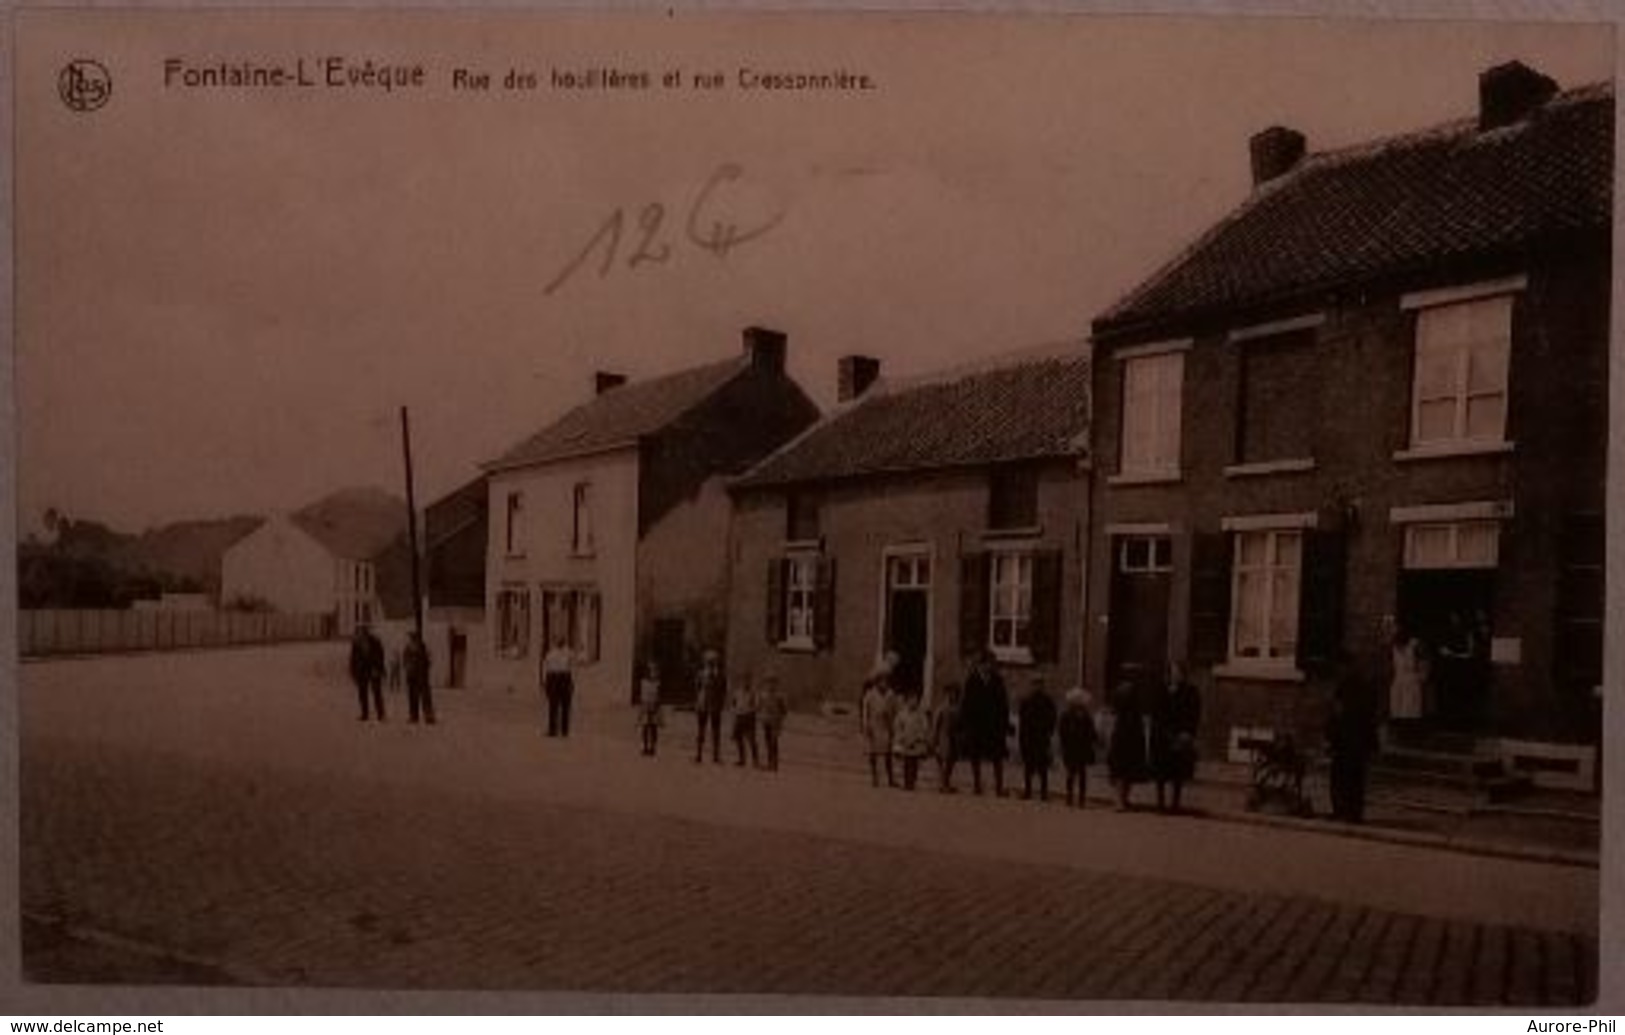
point(971, 722)
point(896, 724)
point(753, 708)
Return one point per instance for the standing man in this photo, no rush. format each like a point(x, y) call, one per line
point(558, 686)
point(415, 666)
point(710, 697)
point(361, 672)
point(984, 715)
point(1351, 738)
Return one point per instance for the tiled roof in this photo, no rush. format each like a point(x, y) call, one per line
point(1024, 409)
point(454, 511)
point(622, 415)
point(355, 524)
point(1392, 207)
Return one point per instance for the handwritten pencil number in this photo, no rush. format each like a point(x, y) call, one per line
point(648, 251)
point(710, 225)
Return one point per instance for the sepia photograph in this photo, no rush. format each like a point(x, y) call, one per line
point(964, 508)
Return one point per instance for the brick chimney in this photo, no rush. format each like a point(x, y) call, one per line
point(854, 375)
point(766, 348)
point(603, 381)
point(1507, 93)
point(1275, 151)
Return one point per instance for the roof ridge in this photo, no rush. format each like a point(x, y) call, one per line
point(1461, 124)
point(1227, 262)
point(882, 403)
point(725, 370)
point(1030, 355)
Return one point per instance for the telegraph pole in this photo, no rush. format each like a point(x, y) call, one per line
point(412, 524)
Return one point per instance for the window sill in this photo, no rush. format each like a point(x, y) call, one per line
point(804, 545)
point(514, 556)
point(1026, 532)
point(1265, 467)
point(1453, 449)
point(583, 555)
point(1020, 657)
point(1248, 669)
point(1144, 478)
point(797, 647)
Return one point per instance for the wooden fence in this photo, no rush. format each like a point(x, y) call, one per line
point(51, 632)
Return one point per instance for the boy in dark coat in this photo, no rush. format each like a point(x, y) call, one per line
point(1077, 733)
point(1175, 716)
point(984, 719)
point(1125, 753)
point(1037, 730)
point(710, 697)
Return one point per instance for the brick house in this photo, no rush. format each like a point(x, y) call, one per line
point(1373, 394)
point(606, 526)
point(925, 518)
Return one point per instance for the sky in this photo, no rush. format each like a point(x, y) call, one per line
point(225, 295)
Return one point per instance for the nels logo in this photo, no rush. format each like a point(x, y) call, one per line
point(84, 84)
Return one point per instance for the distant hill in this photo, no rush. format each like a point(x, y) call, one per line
point(187, 550)
point(88, 564)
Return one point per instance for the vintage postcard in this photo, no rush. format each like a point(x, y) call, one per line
point(984, 506)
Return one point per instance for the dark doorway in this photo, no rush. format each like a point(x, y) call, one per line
point(670, 652)
point(1142, 578)
point(908, 618)
point(457, 656)
point(1449, 613)
point(908, 635)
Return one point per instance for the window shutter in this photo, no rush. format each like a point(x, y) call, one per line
point(775, 600)
point(1046, 616)
point(597, 626)
point(824, 606)
point(1210, 597)
point(973, 603)
point(1321, 591)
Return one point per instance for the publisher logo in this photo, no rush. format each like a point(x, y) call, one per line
point(84, 85)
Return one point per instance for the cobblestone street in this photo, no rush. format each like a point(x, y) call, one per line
point(226, 811)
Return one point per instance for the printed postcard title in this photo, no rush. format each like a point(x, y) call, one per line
point(368, 74)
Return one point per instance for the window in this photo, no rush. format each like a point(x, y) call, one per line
point(1459, 391)
point(800, 599)
point(801, 518)
point(513, 622)
point(1278, 397)
point(1010, 621)
point(513, 532)
point(1264, 595)
point(573, 614)
point(581, 541)
point(908, 571)
point(1145, 554)
point(1013, 498)
point(1453, 544)
point(1152, 391)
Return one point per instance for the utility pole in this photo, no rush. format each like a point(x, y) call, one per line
point(412, 524)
